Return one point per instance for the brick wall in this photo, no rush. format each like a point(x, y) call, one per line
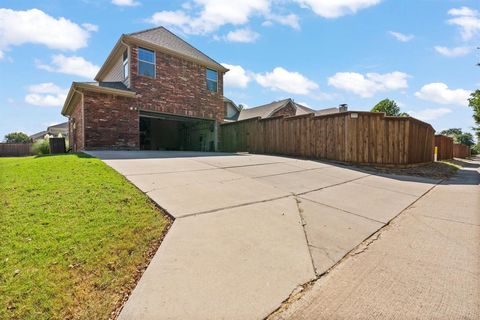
point(109, 122)
point(75, 128)
point(288, 111)
point(179, 88)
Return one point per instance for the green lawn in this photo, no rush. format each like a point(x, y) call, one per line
point(73, 236)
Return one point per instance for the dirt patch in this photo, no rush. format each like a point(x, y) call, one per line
point(434, 170)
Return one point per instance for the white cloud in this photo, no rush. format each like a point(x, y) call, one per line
point(235, 77)
point(287, 81)
point(242, 35)
point(336, 8)
point(35, 26)
point(368, 85)
point(90, 27)
point(468, 20)
point(73, 65)
point(46, 95)
point(126, 3)
point(401, 36)
point(1, 55)
point(213, 14)
point(440, 93)
point(429, 114)
point(453, 52)
point(291, 20)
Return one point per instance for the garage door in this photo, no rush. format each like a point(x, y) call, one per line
point(160, 131)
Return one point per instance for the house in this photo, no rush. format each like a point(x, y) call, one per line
point(232, 111)
point(286, 107)
point(154, 92)
point(56, 130)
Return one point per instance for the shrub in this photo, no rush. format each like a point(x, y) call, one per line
point(41, 147)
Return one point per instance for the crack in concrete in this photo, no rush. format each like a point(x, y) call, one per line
point(366, 244)
point(304, 223)
point(355, 251)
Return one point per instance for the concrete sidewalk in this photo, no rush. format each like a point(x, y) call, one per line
point(251, 229)
point(424, 265)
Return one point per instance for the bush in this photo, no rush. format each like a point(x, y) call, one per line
point(476, 149)
point(41, 147)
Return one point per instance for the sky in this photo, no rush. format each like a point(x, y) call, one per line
point(321, 53)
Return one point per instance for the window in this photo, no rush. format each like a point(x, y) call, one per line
point(125, 64)
point(212, 80)
point(146, 62)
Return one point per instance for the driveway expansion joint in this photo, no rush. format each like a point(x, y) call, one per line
point(231, 207)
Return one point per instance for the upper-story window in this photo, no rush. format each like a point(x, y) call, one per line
point(212, 80)
point(125, 64)
point(146, 62)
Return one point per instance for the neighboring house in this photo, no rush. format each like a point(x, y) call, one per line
point(154, 92)
point(232, 111)
point(286, 107)
point(54, 131)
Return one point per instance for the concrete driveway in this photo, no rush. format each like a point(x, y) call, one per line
point(250, 229)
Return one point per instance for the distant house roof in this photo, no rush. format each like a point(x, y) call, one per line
point(326, 111)
point(53, 130)
point(38, 135)
point(267, 110)
point(58, 128)
point(163, 40)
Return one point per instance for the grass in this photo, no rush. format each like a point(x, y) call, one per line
point(74, 236)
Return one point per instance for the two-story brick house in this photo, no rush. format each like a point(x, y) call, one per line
point(155, 92)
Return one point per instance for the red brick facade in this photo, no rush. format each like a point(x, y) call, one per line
point(107, 121)
point(180, 87)
point(75, 127)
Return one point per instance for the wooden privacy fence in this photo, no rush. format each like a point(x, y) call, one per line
point(445, 147)
point(15, 149)
point(461, 151)
point(357, 137)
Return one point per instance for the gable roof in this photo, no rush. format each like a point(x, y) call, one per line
point(161, 39)
point(266, 110)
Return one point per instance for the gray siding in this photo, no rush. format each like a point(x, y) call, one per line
point(116, 72)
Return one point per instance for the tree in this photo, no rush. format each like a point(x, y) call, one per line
point(390, 108)
point(474, 103)
point(17, 137)
point(459, 136)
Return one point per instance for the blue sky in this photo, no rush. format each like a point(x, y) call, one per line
point(421, 53)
